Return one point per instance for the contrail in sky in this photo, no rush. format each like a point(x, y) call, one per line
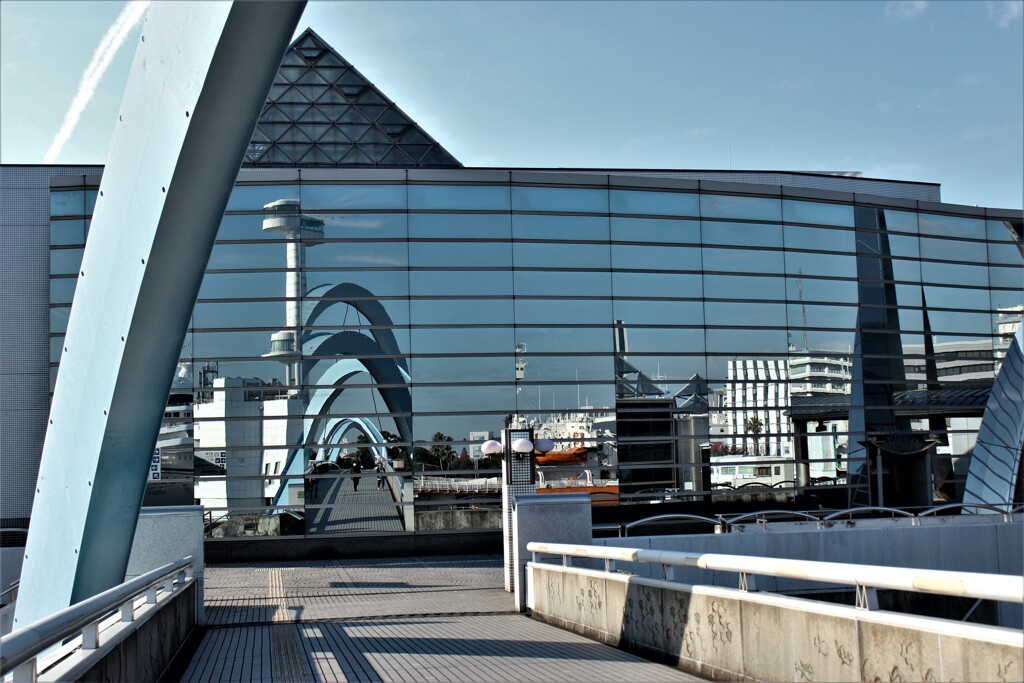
point(101, 58)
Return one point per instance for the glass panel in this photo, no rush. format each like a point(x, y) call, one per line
point(267, 371)
point(833, 265)
point(59, 319)
point(528, 226)
point(1004, 253)
point(655, 230)
point(656, 284)
point(246, 227)
point(363, 225)
point(1006, 277)
point(242, 286)
point(559, 283)
point(238, 314)
point(955, 274)
point(230, 344)
point(743, 261)
point(67, 232)
point(463, 369)
point(462, 198)
point(953, 250)
point(461, 282)
point(565, 199)
point(753, 208)
point(900, 221)
point(358, 255)
point(550, 255)
point(655, 257)
point(479, 226)
point(567, 340)
point(904, 271)
point(477, 255)
point(745, 287)
point(562, 312)
point(659, 312)
point(462, 312)
point(459, 400)
point(247, 256)
point(336, 197)
point(65, 261)
point(336, 312)
point(643, 340)
point(742, 234)
point(62, 290)
point(68, 203)
point(90, 201)
point(746, 314)
point(951, 226)
point(255, 197)
point(904, 246)
point(654, 203)
point(795, 211)
point(812, 289)
point(383, 283)
point(747, 342)
point(821, 239)
point(488, 340)
point(56, 348)
point(587, 370)
point(822, 316)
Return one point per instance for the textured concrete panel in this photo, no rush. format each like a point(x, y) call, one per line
point(721, 634)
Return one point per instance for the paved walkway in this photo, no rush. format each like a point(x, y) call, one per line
point(365, 509)
point(431, 619)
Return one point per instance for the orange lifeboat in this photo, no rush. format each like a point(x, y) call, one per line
point(571, 456)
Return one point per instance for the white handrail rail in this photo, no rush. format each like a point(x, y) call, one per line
point(1000, 587)
point(26, 643)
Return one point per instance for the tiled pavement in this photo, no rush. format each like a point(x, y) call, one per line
point(430, 619)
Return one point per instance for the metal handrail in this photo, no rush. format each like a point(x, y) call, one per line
point(660, 518)
point(11, 588)
point(1002, 587)
point(22, 645)
point(1004, 511)
point(794, 513)
point(867, 508)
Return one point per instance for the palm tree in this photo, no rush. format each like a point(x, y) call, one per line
point(754, 427)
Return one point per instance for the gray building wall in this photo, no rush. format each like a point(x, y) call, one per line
point(25, 350)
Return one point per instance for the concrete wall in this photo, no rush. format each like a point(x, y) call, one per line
point(448, 520)
point(724, 634)
point(165, 535)
point(968, 543)
point(146, 653)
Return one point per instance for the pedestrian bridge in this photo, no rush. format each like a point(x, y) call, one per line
point(426, 619)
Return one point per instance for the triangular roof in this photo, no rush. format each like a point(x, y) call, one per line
point(322, 112)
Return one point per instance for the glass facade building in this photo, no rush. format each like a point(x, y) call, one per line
point(689, 337)
point(681, 336)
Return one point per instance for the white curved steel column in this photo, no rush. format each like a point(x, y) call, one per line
point(198, 82)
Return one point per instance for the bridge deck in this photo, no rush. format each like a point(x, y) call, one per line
point(432, 619)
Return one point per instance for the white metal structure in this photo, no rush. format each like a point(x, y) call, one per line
point(197, 85)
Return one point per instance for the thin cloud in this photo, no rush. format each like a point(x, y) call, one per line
point(1004, 13)
point(101, 58)
point(905, 10)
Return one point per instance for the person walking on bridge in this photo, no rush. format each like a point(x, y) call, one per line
point(355, 472)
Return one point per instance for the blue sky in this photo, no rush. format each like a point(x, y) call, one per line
point(930, 91)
